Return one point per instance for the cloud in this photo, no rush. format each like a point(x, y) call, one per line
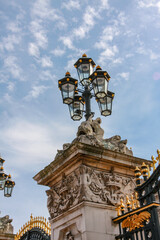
point(13, 27)
point(89, 17)
point(108, 53)
point(46, 62)
point(47, 75)
point(32, 143)
point(58, 51)
point(35, 92)
point(149, 4)
point(43, 10)
point(11, 86)
point(39, 33)
point(71, 4)
point(33, 50)
point(8, 43)
point(124, 75)
point(91, 14)
point(10, 63)
point(67, 41)
point(153, 56)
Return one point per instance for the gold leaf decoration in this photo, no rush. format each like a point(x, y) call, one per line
point(136, 221)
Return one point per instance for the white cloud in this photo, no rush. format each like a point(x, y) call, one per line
point(39, 33)
point(35, 92)
point(47, 75)
point(33, 50)
point(108, 53)
point(10, 63)
point(71, 4)
point(154, 56)
point(67, 41)
point(91, 14)
point(124, 75)
point(32, 143)
point(108, 34)
point(13, 27)
point(7, 98)
point(43, 10)
point(46, 62)
point(58, 51)
point(89, 17)
point(11, 86)
point(149, 4)
point(10, 41)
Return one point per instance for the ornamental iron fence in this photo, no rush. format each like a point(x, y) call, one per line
point(141, 221)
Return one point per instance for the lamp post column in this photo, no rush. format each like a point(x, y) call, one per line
point(87, 96)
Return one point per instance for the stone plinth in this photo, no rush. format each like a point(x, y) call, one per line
point(86, 183)
point(7, 236)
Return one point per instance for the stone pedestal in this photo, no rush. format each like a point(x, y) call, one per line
point(86, 183)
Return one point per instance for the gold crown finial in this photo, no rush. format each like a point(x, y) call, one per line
point(67, 74)
point(84, 55)
point(98, 67)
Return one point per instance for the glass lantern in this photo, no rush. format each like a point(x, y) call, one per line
point(3, 177)
point(85, 67)
point(105, 104)
point(76, 108)
point(99, 80)
point(8, 187)
point(67, 85)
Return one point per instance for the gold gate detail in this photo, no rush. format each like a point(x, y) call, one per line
point(34, 222)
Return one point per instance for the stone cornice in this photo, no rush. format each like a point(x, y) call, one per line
point(79, 153)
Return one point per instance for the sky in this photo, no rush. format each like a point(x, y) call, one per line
point(42, 39)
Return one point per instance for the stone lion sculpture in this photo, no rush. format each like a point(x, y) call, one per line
point(90, 132)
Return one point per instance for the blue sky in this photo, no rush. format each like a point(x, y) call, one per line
point(39, 41)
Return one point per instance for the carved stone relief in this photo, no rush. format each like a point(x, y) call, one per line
point(5, 225)
point(87, 184)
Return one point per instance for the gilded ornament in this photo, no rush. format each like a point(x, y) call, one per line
point(136, 221)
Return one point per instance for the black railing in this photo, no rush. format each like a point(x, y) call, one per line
point(141, 221)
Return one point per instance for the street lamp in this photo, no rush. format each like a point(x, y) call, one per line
point(89, 80)
point(6, 183)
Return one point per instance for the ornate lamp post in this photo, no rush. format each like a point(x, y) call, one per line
point(6, 183)
point(89, 80)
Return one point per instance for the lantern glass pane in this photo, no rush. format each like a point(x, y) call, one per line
point(105, 105)
point(95, 86)
point(109, 103)
point(84, 71)
point(8, 190)
point(76, 110)
point(102, 87)
point(2, 182)
point(68, 90)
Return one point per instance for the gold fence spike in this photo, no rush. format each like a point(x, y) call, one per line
point(154, 162)
point(158, 157)
point(118, 208)
point(132, 202)
point(148, 171)
point(137, 202)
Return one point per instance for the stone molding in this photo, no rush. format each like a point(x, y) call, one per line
point(87, 184)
